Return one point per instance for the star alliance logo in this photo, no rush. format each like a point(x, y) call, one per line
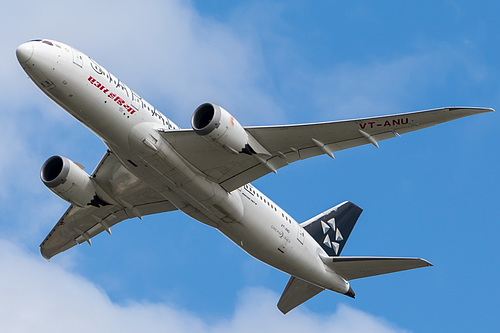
point(330, 231)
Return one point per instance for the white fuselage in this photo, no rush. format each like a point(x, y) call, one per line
point(128, 126)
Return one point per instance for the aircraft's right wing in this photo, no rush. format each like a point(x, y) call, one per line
point(80, 224)
point(351, 268)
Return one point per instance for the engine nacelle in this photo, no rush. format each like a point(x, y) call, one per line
point(68, 180)
point(217, 125)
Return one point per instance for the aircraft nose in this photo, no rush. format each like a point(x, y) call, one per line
point(24, 52)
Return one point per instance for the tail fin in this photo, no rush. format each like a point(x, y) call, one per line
point(332, 227)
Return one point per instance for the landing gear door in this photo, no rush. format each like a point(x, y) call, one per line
point(77, 58)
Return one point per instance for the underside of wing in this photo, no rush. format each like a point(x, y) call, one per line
point(351, 268)
point(290, 143)
point(79, 224)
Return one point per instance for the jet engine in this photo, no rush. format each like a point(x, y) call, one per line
point(68, 180)
point(218, 126)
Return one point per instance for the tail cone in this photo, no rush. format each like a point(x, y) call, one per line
point(350, 292)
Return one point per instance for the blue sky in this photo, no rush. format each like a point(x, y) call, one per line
point(431, 194)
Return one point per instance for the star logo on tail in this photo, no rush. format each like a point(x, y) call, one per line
point(332, 235)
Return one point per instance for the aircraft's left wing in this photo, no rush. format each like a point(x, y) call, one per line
point(79, 224)
point(290, 143)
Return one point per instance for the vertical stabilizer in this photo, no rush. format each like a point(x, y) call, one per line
point(332, 227)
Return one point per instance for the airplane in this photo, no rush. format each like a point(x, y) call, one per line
point(152, 166)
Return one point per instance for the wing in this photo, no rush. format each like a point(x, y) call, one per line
point(78, 224)
point(351, 268)
point(291, 143)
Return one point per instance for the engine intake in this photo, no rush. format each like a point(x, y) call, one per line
point(68, 180)
point(218, 126)
point(206, 118)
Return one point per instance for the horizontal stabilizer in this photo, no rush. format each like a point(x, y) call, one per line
point(351, 268)
point(296, 292)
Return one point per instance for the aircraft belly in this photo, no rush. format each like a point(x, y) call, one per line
point(260, 234)
point(157, 164)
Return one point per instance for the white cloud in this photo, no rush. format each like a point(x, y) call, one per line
point(167, 52)
point(44, 297)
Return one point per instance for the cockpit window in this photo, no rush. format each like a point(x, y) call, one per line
point(44, 41)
